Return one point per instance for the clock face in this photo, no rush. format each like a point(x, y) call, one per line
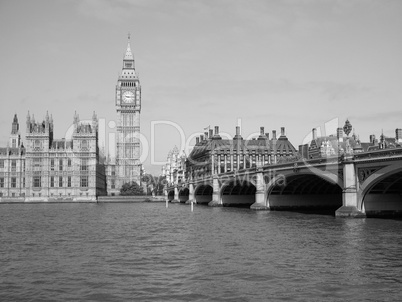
point(128, 97)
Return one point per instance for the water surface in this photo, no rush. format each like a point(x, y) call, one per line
point(145, 252)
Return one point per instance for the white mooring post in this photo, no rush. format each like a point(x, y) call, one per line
point(167, 203)
point(192, 206)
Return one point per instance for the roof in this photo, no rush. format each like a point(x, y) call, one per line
point(12, 151)
point(129, 55)
point(353, 142)
point(281, 145)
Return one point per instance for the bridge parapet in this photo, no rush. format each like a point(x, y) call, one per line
point(378, 154)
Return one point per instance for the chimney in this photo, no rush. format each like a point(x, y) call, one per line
point(314, 133)
point(282, 131)
point(274, 134)
point(211, 133)
point(372, 139)
point(201, 137)
point(339, 134)
point(197, 140)
point(216, 135)
point(206, 134)
point(237, 136)
point(398, 135)
point(267, 135)
point(262, 135)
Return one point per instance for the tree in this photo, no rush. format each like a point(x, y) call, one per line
point(131, 189)
point(154, 184)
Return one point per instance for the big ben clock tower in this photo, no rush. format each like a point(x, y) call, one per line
point(128, 106)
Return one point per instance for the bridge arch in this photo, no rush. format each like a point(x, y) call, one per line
point(184, 194)
point(203, 193)
point(238, 193)
point(170, 195)
point(305, 192)
point(381, 193)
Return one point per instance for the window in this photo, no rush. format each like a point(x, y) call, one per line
point(1, 163)
point(37, 162)
point(14, 143)
point(113, 170)
point(69, 181)
point(23, 182)
point(13, 165)
point(84, 144)
point(112, 184)
point(84, 181)
point(60, 181)
point(37, 144)
point(37, 182)
point(1, 194)
point(52, 181)
point(60, 165)
point(52, 164)
point(84, 164)
point(69, 163)
point(1, 182)
point(13, 182)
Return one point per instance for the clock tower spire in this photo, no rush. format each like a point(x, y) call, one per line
point(128, 107)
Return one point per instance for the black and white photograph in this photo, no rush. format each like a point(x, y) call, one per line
point(200, 150)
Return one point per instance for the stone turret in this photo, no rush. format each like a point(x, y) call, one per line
point(15, 137)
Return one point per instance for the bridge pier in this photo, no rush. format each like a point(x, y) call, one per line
point(349, 194)
point(216, 198)
point(165, 192)
point(191, 196)
point(260, 199)
point(176, 198)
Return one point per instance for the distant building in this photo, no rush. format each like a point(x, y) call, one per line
point(126, 166)
point(335, 145)
point(214, 155)
point(174, 170)
point(49, 169)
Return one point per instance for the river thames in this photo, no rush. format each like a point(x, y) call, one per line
point(145, 252)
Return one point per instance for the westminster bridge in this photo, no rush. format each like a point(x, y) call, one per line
point(355, 185)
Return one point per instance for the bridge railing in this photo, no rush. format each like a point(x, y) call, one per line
point(382, 153)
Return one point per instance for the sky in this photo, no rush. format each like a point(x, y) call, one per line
point(295, 64)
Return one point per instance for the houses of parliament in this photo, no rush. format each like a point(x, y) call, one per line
point(43, 168)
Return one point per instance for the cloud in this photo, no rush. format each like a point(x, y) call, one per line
point(91, 98)
point(380, 117)
point(337, 91)
point(110, 11)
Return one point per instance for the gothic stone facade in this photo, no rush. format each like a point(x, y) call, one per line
point(126, 167)
point(47, 169)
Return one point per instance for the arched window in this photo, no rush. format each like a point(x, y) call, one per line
point(84, 144)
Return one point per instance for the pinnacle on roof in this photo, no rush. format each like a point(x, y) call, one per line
point(129, 55)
